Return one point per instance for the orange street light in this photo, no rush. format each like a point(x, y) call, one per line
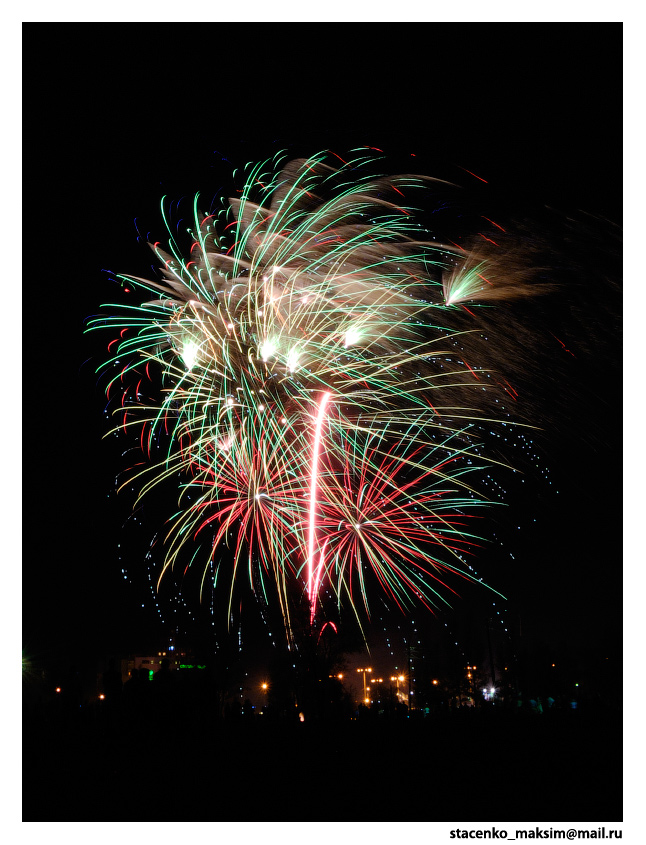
point(365, 690)
point(398, 679)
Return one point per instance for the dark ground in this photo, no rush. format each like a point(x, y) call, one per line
point(461, 766)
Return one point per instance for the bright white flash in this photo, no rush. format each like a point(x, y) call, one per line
point(352, 336)
point(189, 352)
point(292, 359)
point(267, 349)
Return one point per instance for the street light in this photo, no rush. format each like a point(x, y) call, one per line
point(365, 689)
point(397, 679)
point(264, 686)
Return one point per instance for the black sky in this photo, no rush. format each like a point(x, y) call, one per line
point(125, 113)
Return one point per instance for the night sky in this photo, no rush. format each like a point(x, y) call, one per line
point(129, 113)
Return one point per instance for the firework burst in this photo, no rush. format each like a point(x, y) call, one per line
point(309, 387)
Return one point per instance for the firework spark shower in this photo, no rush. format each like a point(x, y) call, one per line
point(303, 379)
